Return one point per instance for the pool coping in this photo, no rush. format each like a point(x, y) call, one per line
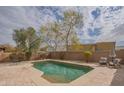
point(61, 61)
point(98, 76)
point(81, 79)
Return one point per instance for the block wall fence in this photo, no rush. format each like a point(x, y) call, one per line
point(79, 55)
point(4, 57)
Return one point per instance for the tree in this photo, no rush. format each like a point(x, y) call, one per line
point(62, 33)
point(27, 41)
point(71, 22)
point(51, 35)
point(19, 36)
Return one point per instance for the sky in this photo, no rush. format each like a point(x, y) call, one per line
point(101, 24)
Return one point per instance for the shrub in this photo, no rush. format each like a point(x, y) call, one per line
point(17, 56)
point(87, 55)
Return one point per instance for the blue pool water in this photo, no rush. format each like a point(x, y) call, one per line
point(58, 72)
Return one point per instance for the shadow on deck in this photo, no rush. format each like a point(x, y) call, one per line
point(118, 79)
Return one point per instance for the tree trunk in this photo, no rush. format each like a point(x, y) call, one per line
point(67, 38)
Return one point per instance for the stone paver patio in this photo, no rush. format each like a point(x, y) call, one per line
point(24, 74)
point(118, 79)
point(20, 75)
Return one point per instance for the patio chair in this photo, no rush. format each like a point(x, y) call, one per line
point(103, 61)
point(115, 63)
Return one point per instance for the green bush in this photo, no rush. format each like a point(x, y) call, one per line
point(87, 55)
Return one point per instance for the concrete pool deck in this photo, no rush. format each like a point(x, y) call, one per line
point(24, 74)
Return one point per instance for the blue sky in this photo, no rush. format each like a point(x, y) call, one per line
point(100, 23)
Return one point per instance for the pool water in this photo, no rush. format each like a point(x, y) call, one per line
point(58, 72)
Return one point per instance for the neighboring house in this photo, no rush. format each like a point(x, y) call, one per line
point(82, 47)
point(7, 48)
point(2, 49)
point(100, 46)
point(104, 46)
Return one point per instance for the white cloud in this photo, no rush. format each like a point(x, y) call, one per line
point(112, 28)
point(20, 17)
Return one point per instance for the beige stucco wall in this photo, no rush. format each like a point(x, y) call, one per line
point(85, 47)
point(102, 46)
point(79, 55)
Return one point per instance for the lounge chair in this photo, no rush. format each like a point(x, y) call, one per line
point(115, 63)
point(103, 61)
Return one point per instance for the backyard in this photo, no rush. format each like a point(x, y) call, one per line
point(70, 48)
point(24, 74)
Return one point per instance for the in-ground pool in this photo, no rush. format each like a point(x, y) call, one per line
point(59, 72)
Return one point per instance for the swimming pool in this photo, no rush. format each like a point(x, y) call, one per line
point(59, 72)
